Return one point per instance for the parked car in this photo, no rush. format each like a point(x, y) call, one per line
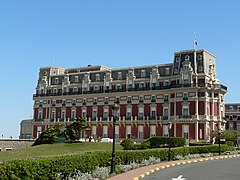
point(106, 140)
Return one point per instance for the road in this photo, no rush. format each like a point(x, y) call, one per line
point(225, 169)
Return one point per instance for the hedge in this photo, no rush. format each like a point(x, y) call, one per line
point(48, 168)
point(159, 141)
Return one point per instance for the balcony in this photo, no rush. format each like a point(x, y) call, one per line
point(152, 118)
point(133, 89)
point(164, 117)
point(185, 116)
point(128, 118)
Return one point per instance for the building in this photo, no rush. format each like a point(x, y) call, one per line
point(186, 92)
point(26, 129)
point(232, 111)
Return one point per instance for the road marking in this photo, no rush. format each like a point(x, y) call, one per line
point(142, 175)
point(183, 162)
point(168, 166)
point(163, 167)
point(157, 169)
point(152, 171)
point(189, 162)
point(173, 164)
point(136, 178)
point(147, 173)
point(201, 160)
point(195, 161)
point(178, 163)
point(179, 178)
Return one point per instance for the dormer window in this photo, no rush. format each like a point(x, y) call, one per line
point(177, 59)
point(97, 77)
point(187, 57)
point(143, 73)
point(130, 73)
point(167, 71)
point(76, 79)
point(119, 75)
point(199, 57)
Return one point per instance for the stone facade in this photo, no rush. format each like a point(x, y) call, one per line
point(186, 93)
point(233, 116)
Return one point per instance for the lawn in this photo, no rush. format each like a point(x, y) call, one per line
point(56, 149)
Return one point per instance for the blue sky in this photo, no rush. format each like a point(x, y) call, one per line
point(112, 33)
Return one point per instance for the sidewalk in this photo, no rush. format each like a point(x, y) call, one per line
point(136, 173)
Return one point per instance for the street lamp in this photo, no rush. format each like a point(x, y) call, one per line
point(115, 109)
point(169, 144)
point(219, 138)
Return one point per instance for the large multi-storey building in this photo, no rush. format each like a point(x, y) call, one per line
point(186, 92)
point(232, 111)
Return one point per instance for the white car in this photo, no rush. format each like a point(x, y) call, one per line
point(106, 140)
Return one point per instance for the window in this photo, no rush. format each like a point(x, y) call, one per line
point(75, 89)
point(76, 79)
point(238, 117)
point(230, 125)
point(177, 59)
point(153, 130)
point(56, 80)
point(185, 96)
point(63, 115)
point(141, 85)
point(230, 117)
point(130, 73)
point(186, 131)
point(40, 115)
point(118, 87)
point(166, 83)
point(165, 130)
point(97, 77)
point(96, 88)
point(185, 111)
point(105, 131)
point(55, 90)
point(167, 72)
point(119, 75)
point(187, 57)
point(94, 115)
point(165, 97)
point(129, 99)
point(140, 132)
point(64, 89)
point(199, 57)
point(165, 112)
point(143, 73)
point(73, 114)
point(53, 115)
point(141, 99)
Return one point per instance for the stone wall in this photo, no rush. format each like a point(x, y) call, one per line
point(14, 144)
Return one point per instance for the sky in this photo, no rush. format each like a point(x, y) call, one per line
point(116, 34)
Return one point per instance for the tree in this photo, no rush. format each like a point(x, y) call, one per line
point(49, 136)
point(73, 130)
point(231, 135)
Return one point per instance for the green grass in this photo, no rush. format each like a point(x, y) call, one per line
point(56, 149)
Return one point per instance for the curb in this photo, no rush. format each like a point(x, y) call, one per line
point(141, 176)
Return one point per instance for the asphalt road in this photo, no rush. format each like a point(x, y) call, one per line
point(224, 169)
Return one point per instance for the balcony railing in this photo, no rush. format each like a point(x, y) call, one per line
point(185, 116)
point(219, 86)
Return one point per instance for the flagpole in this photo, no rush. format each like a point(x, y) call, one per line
point(195, 41)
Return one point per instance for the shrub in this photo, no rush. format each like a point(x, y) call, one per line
point(52, 167)
point(158, 141)
point(127, 144)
